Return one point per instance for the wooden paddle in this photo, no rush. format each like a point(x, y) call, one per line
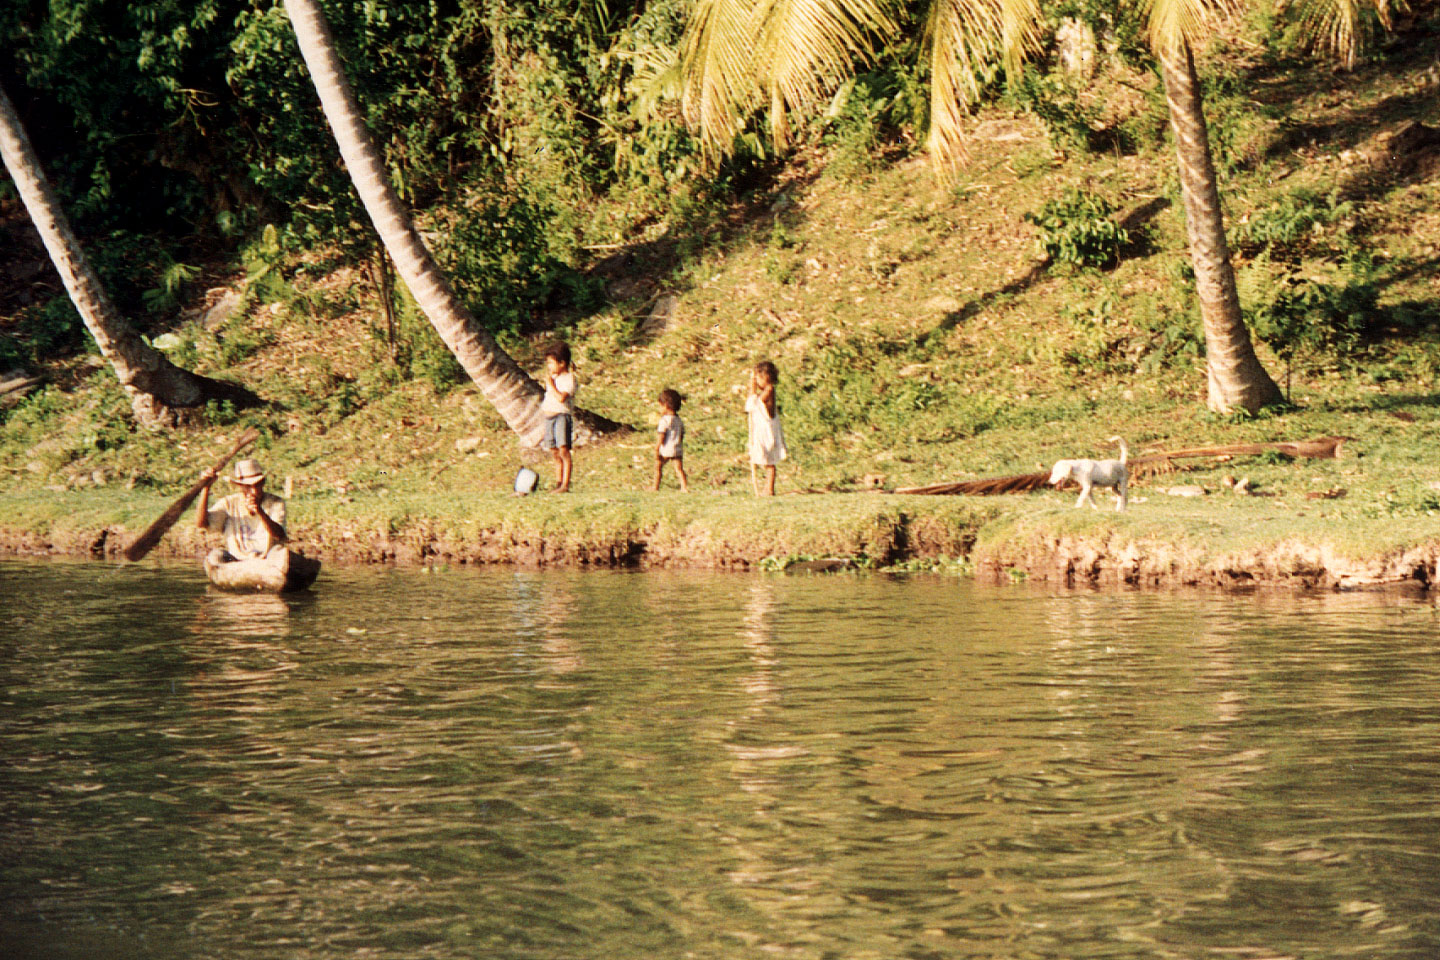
point(146, 541)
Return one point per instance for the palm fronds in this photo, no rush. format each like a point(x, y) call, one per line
point(806, 48)
point(719, 88)
point(966, 40)
point(1177, 24)
point(1341, 28)
point(787, 55)
point(656, 79)
point(790, 55)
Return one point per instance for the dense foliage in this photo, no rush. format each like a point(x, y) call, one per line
point(1078, 228)
point(177, 131)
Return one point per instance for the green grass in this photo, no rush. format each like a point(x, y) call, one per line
point(919, 340)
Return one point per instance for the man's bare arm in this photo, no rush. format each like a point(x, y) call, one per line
point(202, 508)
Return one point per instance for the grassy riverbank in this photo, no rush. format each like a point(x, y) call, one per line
point(921, 338)
point(1160, 541)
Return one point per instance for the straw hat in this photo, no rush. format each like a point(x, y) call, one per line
point(248, 472)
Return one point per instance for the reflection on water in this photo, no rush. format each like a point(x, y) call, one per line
point(560, 765)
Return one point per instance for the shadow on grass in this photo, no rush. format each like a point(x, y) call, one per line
point(1351, 128)
point(950, 321)
point(1395, 402)
point(646, 270)
point(1133, 221)
point(1139, 217)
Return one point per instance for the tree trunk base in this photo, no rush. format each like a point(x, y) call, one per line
point(157, 409)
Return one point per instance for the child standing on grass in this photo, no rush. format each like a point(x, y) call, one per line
point(559, 409)
point(767, 442)
point(670, 445)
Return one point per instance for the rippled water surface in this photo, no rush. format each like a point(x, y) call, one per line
point(507, 764)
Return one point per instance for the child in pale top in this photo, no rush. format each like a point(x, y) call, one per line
point(767, 441)
point(670, 444)
point(559, 409)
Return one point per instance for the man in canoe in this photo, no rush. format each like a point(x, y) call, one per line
point(251, 520)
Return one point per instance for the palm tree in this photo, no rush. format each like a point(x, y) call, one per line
point(161, 394)
point(512, 392)
point(729, 60)
point(1234, 377)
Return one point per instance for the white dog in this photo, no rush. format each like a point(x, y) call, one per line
point(1096, 473)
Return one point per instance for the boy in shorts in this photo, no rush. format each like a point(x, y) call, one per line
point(559, 409)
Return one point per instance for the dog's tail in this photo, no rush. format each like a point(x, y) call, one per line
point(1124, 450)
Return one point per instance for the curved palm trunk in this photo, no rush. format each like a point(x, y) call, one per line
point(1234, 374)
point(513, 393)
point(161, 394)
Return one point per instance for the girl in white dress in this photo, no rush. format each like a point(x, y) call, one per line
point(767, 441)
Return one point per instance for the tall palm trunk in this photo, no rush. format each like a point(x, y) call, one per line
point(1234, 374)
point(161, 394)
point(505, 385)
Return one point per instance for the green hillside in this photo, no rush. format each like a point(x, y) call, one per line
point(921, 332)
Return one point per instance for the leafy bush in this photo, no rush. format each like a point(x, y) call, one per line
point(37, 408)
point(1078, 229)
point(1097, 341)
point(416, 68)
point(1173, 331)
point(1118, 25)
point(1290, 224)
point(508, 263)
point(866, 114)
point(1147, 127)
point(1303, 315)
point(911, 395)
point(238, 341)
point(781, 269)
point(1053, 100)
point(1234, 121)
point(264, 278)
point(220, 413)
point(44, 332)
point(420, 353)
point(343, 398)
point(164, 297)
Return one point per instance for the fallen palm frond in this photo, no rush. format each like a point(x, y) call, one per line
point(1321, 448)
point(989, 487)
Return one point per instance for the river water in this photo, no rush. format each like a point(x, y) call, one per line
point(507, 764)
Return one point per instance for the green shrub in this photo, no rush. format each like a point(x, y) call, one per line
point(1291, 224)
point(508, 263)
point(238, 342)
point(1054, 101)
point(44, 332)
point(164, 297)
point(780, 268)
point(1078, 229)
point(220, 413)
point(866, 114)
point(1175, 336)
point(1234, 121)
point(264, 277)
point(1303, 315)
point(912, 395)
point(1097, 341)
point(420, 354)
point(1147, 127)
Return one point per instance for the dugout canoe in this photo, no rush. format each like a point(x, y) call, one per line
point(281, 572)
